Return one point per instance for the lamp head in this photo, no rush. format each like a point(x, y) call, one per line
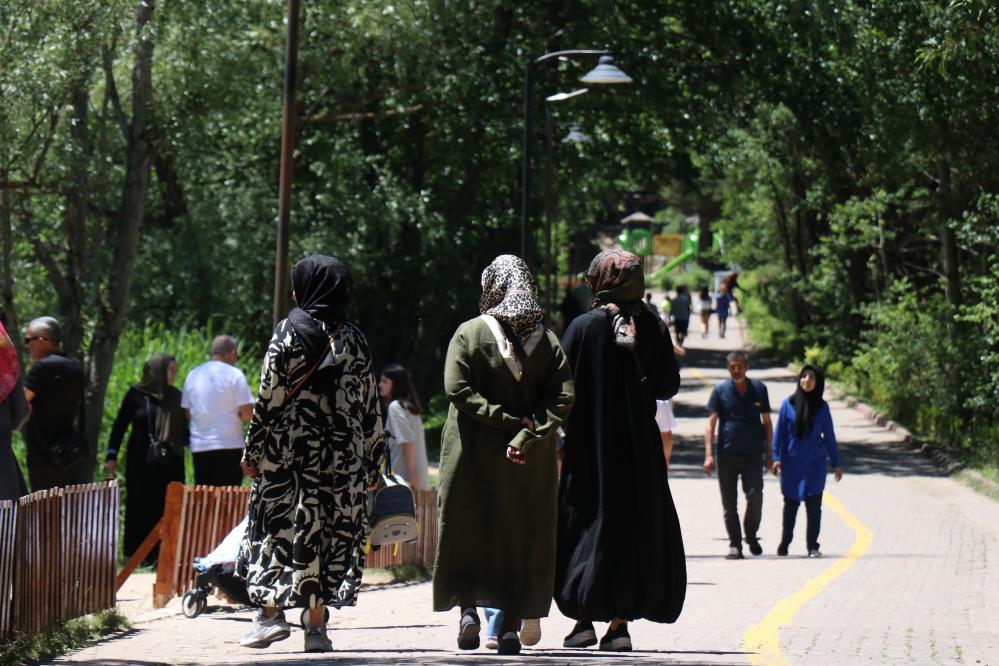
point(606, 72)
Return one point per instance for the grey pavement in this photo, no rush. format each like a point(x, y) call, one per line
point(926, 591)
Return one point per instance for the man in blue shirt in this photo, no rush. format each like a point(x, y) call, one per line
point(740, 408)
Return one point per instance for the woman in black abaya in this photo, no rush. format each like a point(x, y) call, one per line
point(619, 550)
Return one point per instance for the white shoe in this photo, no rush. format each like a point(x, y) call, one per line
point(266, 630)
point(491, 642)
point(530, 632)
point(317, 640)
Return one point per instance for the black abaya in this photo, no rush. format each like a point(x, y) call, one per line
point(145, 484)
point(619, 549)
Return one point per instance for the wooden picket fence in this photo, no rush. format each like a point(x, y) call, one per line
point(197, 518)
point(58, 550)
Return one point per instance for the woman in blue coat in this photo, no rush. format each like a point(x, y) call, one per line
point(803, 441)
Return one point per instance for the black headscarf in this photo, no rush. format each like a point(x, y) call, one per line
point(322, 288)
point(170, 426)
point(807, 404)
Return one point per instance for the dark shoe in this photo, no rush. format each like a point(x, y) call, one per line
point(509, 643)
point(734, 553)
point(782, 550)
point(468, 630)
point(616, 640)
point(814, 552)
point(754, 546)
point(582, 636)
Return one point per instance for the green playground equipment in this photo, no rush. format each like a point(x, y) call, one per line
point(639, 242)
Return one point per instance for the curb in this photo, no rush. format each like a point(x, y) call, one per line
point(943, 460)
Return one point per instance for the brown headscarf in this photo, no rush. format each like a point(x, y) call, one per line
point(616, 276)
point(617, 281)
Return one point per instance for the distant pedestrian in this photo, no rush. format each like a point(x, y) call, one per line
point(217, 400)
point(404, 427)
point(155, 447)
point(679, 309)
point(314, 447)
point(13, 412)
point(54, 390)
point(510, 387)
point(723, 304)
point(652, 306)
point(704, 309)
point(803, 442)
point(740, 408)
point(620, 552)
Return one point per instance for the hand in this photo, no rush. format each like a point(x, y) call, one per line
point(776, 468)
point(528, 422)
point(709, 465)
point(373, 482)
point(249, 469)
point(111, 467)
point(838, 474)
point(516, 456)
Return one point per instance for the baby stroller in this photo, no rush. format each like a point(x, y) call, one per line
point(216, 570)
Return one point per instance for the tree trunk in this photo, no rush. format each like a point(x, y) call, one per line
point(113, 299)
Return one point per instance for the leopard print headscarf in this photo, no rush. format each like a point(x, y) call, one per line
point(616, 276)
point(510, 294)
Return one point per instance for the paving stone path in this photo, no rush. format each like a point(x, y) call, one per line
point(922, 589)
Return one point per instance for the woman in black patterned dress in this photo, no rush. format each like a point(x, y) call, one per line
point(313, 449)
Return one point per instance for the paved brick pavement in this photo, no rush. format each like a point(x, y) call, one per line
point(925, 592)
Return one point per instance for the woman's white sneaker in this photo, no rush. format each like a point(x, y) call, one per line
point(316, 639)
point(266, 630)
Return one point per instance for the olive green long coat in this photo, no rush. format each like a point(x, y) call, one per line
point(498, 519)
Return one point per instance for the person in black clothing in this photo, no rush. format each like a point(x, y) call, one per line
point(54, 389)
point(152, 408)
point(619, 550)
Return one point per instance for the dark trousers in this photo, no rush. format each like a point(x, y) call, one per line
point(813, 513)
point(681, 329)
point(750, 467)
point(218, 468)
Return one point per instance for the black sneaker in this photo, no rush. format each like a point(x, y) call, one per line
point(754, 546)
point(509, 643)
point(734, 553)
point(782, 550)
point(468, 630)
point(582, 636)
point(616, 640)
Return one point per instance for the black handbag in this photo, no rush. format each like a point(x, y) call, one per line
point(158, 454)
point(68, 450)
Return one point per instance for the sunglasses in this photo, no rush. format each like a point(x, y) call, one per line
point(28, 341)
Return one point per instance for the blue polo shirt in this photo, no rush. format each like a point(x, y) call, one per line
point(739, 427)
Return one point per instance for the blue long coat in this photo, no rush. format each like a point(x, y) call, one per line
point(803, 461)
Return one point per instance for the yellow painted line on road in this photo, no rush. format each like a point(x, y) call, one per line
point(762, 641)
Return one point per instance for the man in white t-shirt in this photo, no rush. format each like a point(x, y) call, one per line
point(217, 400)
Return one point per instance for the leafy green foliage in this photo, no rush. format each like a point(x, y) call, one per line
point(62, 638)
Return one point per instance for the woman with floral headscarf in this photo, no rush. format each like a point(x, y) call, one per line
point(152, 409)
point(620, 554)
point(510, 388)
point(13, 412)
point(313, 449)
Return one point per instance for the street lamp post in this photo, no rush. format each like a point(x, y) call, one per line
point(281, 269)
point(606, 72)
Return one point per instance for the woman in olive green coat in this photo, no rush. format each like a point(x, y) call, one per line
point(510, 387)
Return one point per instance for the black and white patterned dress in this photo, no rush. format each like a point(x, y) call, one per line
point(308, 518)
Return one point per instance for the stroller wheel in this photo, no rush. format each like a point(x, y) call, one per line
point(193, 604)
point(304, 620)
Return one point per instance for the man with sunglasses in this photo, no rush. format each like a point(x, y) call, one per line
point(54, 389)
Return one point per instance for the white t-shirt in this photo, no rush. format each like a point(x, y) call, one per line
point(405, 426)
point(214, 392)
point(664, 416)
